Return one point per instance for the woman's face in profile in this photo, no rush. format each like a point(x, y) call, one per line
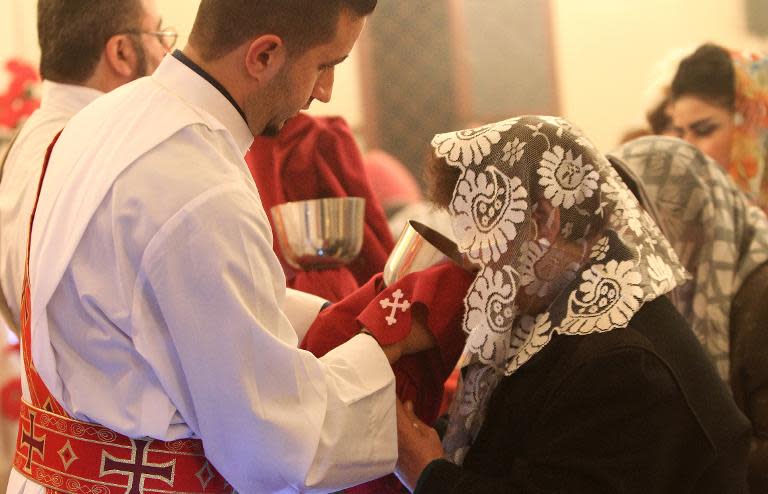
point(707, 126)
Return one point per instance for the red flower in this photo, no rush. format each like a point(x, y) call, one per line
point(19, 99)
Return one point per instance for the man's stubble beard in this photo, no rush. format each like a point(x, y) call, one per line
point(271, 130)
point(141, 68)
point(279, 92)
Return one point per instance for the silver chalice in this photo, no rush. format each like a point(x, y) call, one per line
point(320, 233)
point(419, 247)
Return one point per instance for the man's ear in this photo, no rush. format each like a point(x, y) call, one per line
point(265, 56)
point(120, 55)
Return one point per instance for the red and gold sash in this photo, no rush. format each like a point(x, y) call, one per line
point(67, 455)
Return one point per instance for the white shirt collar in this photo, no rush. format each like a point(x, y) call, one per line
point(68, 98)
point(196, 91)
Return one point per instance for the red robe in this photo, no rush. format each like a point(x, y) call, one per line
point(440, 290)
point(314, 158)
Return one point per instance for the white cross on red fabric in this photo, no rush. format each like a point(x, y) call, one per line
point(394, 305)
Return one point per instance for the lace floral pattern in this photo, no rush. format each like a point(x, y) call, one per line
point(487, 208)
point(513, 151)
point(607, 298)
point(562, 244)
point(490, 312)
point(531, 337)
point(469, 146)
point(627, 212)
point(566, 180)
point(600, 249)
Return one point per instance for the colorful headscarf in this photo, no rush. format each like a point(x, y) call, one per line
point(551, 227)
point(720, 236)
point(750, 140)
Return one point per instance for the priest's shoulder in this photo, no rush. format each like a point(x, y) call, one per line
point(141, 106)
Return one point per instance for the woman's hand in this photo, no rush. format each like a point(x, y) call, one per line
point(418, 445)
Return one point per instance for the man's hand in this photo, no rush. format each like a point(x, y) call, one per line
point(417, 445)
point(419, 339)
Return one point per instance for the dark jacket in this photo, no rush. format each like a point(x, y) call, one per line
point(749, 368)
point(633, 410)
point(748, 353)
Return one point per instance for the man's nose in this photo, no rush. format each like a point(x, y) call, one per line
point(324, 87)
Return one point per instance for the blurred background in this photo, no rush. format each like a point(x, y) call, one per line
point(429, 66)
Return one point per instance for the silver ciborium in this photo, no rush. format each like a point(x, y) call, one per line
point(320, 233)
point(419, 247)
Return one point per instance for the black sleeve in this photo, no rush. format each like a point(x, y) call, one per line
point(749, 368)
point(617, 423)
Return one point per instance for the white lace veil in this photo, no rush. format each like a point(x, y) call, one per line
point(561, 244)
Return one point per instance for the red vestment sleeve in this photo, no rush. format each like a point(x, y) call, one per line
point(387, 313)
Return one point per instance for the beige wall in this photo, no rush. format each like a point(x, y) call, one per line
point(18, 33)
point(605, 52)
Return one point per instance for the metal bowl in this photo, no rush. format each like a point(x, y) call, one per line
point(418, 248)
point(320, 233)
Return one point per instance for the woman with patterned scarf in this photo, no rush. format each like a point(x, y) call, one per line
point(719, 103)
point(579, 375)
point(722, 240)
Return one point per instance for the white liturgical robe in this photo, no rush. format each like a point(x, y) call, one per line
point(158, 303)
point(58, 103)
point(18, 189)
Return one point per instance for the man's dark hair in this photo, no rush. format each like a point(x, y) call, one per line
point(441, 180)
point(708, 74)
point(72, 34)
point(223, 25)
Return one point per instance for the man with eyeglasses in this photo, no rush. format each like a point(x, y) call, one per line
point(159, 339)
point(88, 47)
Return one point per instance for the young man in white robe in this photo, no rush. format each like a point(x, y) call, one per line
point(158, 308)
point(76, 67)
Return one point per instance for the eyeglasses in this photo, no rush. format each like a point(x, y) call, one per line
point(166, 36)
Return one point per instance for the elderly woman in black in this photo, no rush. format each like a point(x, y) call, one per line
point(579, 375)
